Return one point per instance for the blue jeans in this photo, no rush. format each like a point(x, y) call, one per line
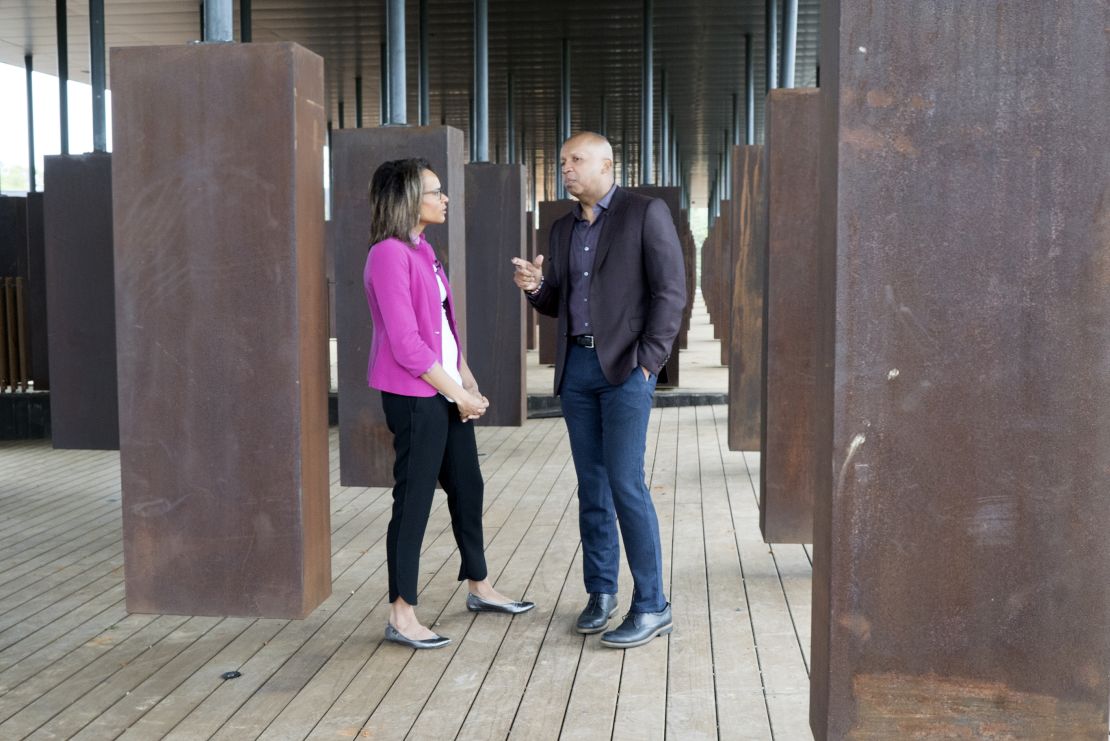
point(608, 431)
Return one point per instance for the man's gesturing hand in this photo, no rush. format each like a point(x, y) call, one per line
point(528, 274)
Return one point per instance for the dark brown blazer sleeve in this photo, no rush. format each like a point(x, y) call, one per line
point(666, 278)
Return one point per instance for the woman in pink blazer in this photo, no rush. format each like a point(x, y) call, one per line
point(428, 393)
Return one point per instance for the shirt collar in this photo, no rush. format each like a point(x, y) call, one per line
point(603, 204)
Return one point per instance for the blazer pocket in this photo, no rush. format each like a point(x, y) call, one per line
point(636, 324)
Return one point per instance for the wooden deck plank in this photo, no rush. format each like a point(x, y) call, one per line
point(491, 714)
point(642, 705)
point(411, 690)
point(303, 713)
point(73, 663)
point(691, 705)
point(741, 706)
point(263, 707)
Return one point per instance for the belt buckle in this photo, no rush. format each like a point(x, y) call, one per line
point(586, 340)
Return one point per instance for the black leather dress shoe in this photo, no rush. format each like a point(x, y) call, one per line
point(595, 618)
point(638, 628)
point(474, 603)
point(395, 636)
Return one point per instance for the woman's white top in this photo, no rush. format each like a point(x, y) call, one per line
point(450, 356)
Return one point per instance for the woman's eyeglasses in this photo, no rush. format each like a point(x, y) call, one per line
point(438, 193)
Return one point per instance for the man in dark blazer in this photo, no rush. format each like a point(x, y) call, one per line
point(615, 280)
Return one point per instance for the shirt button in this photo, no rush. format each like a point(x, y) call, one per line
point(587, 324)
point(586, 273)
point(587, 248)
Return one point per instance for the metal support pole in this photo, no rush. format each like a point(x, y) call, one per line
point(535, 186)
point(28, 65)
point(664, 132)
point(395, 45)
point(625, 164)
point(425, 97)
point(736, 119)
point(749, 91)
point(63, 73)
point(675, 175)
point(727, 165)
point(604, 123)
point(510, 122)
point(789, 41)
point(383, 86)
point(565, 96)
point(481, 81)
point(564, 119)
point(98, 73)
point(342, 120)
point(772, 45)
point(647, 106)
point(245, 21)
point(358, 101)
point(218, 26)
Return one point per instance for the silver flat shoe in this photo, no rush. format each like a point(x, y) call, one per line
point(474, 603)
point(395, 636)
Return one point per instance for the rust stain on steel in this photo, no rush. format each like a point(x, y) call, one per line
point(899, 706)
point(745, 299)
point(962, 385)
point(788, 455)
point(221, 311)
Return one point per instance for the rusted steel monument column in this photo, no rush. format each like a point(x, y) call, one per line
point(788, 461)
point(550, 212)
point(494, 235)
point(80, 301)
point(221, 312)
point(743, 298)
point(962, 565)
point(365, 442)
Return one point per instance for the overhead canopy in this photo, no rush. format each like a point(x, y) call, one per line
point(700, 44)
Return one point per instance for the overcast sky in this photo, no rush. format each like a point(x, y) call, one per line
point(13, 117)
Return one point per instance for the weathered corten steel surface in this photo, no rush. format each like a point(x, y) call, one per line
point(726, 257)
point(365, 442)
point(13, 236)
point(962, 565)
point(745, 291)
point(222, 305)
point(709, 283)
point(550, 212)
point(495, 234)
point(668, 377)
point(788, 462)
point(530, 253)
point(80, 300)
point(329, 271)
point(689, 262)
point(36, 291)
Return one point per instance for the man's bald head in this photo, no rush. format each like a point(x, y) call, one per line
point(586, 161)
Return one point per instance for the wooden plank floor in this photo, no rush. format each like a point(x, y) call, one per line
point(75, 664)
